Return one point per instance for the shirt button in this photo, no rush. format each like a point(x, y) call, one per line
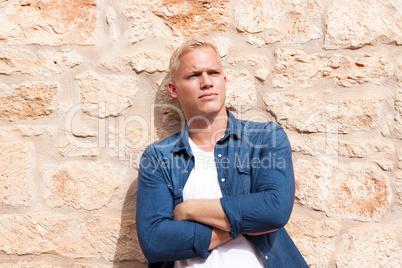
point(186, 171)
point(266, 257)
point(223, 180)
point(219, 155)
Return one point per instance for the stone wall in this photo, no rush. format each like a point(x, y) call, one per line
point(83, 92)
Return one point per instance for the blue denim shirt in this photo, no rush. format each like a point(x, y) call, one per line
point(255, 173)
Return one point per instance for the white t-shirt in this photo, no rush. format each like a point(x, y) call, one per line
point(203, 184)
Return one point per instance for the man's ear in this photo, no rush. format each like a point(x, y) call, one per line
point(172, 90)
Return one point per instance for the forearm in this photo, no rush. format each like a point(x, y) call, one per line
point(206, 211)
point(174, 240)
point(247, 215)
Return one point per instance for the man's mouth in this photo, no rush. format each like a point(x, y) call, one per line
point(207, 95)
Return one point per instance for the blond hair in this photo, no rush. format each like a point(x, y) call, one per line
point(191, 44)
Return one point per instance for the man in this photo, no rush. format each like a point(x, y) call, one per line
point(219, 193)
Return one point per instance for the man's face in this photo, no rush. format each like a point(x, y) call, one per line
point(200, 85)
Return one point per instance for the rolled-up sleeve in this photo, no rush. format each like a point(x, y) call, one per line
point(270, 203)
point(161, 238)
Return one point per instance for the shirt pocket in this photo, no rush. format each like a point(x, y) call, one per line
point(245, 178)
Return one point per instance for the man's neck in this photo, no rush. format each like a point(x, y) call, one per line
point(207, 131)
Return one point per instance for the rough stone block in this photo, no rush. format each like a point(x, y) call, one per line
point(24, 101)
point(43, 264)
point(106, 95)
point(316, 239)
point(279, 20)
point(328, 145)
point(15, 163)
point(133, 139)
point(37, 62)
point(48, 22)
point(385, 164)
point(74, 236)
point(398, 114)
point(398, 185)
point(335, 144)
point(305, 112)
point(28, 130)
point(249, 60)
point(352, 24)
point(399, 69)
point(294, 67)
point(241, 93)
point(82, 186)
point(349, 191)
point(148, 61)
point(183, 18)
point(369, 247)
point(72, 148)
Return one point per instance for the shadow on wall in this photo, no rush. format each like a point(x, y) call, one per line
point(128, 251)
point(168, 119)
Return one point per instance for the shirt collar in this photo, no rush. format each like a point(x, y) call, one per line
point(233, 128)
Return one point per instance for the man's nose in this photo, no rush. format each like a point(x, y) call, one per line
point(206, 81)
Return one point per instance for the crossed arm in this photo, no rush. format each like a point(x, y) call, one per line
point(209, 212)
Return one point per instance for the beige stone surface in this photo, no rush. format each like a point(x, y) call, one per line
point(48, 22)
point(148, 61)
point(399, 69)
point(111, 18)
point(81, 140)
point(279, 20)
point(69, 235)
point(142, 21)
point(380, 151)
point(241, 94)
point(29, 100)
point(296, 67)
point(183, 18)
point(249, 60)
point(385, 164)
point(28, 130)
point(16, 161)
point(306, 112)
point(352, 24)
point(134, 139)
point(71, 147)
point(328, 145)
point(315, 239)
point(223, 44)
point(82, 185)
point(37, 62)
point(398, 113)
point(398, 185)
point(44, 264)
point(348, 191)
point(106, 95)
point(369, 247)
point(262, 74)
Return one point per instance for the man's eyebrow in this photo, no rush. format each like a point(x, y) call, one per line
point(208, 70)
